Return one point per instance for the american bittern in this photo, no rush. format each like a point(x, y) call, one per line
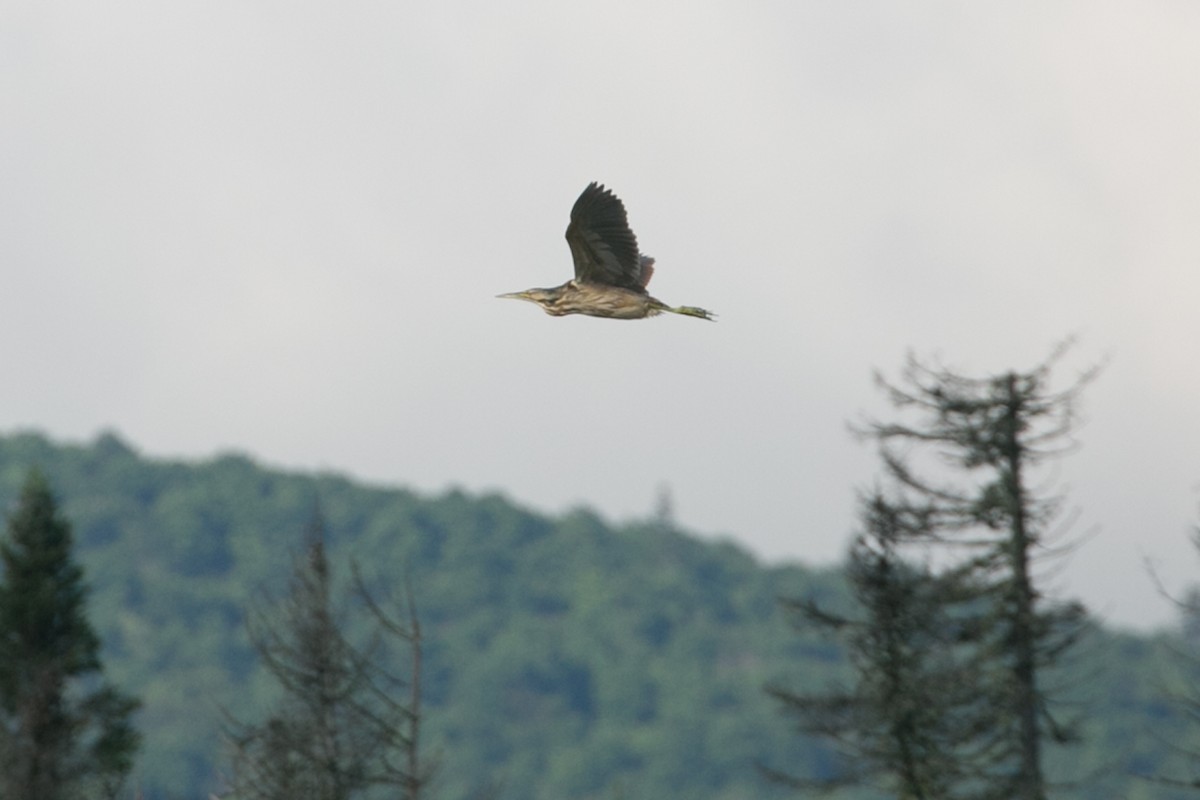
point(610, 274)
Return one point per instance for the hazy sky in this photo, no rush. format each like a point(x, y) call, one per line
point(278, 227)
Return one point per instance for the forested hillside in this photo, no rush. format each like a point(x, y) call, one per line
point(566, 657)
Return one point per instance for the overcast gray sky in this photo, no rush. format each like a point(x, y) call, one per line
point(278, 227)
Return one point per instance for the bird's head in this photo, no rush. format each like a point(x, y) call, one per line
point(546, 298)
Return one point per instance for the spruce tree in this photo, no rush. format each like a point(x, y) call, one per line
point(906, 719)
point(347, 724)
point(64, 731)
point(992, 518)
point(952, 634)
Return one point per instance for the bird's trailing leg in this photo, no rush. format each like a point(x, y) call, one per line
point(687, 311)
point(693, 311)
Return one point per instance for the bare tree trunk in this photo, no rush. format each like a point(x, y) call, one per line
point(1029, 784)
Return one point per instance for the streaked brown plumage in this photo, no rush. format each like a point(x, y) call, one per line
point(610, 274)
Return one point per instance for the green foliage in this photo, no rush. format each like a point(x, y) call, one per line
point(63, 730)
point(565, 658)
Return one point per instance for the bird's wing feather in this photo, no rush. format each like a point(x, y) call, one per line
point(602, 245)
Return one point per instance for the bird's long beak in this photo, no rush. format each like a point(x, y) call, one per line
point(514, 296)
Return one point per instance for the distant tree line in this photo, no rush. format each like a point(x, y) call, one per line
point(948, 634)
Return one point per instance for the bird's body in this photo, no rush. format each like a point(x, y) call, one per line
point(610, 274)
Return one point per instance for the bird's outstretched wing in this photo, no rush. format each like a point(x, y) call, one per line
point(602, 245)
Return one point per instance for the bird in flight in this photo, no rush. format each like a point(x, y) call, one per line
point(610, 274)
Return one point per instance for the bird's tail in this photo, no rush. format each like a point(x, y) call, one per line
point(692, 311)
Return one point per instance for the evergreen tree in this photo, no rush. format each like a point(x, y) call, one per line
point(64, 731)
point(948, 701)
point(994, 432)
point(907, 721)
point(346, 724)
